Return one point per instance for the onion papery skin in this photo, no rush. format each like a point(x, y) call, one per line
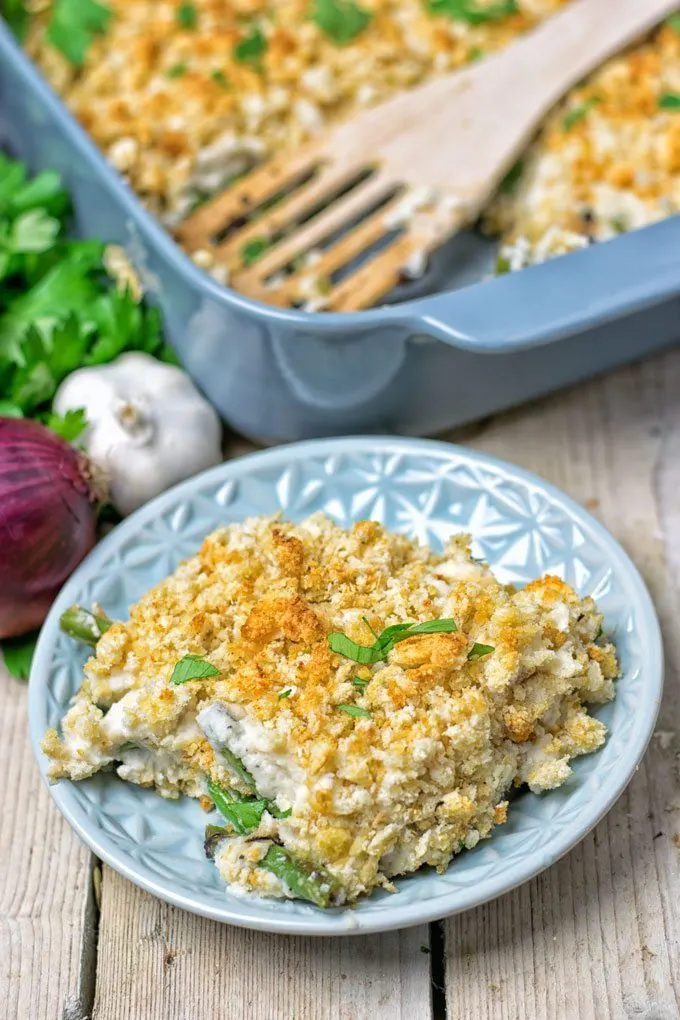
point(47, 521)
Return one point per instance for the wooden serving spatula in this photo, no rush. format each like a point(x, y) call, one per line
point(407, 173)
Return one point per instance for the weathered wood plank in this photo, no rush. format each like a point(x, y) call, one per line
point(159, 963)
point(46, 904)
point(598, 935)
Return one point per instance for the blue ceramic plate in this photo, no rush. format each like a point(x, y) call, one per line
point(521, 525)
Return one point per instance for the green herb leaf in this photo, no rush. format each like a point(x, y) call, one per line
point(669, 101)
point(253, 250)
point(356, 711)
point(10, 410)
point(512, 178)
point(385, 642)
point(187, 15)
point(361, 684)
point(17, 17)
point(343, 645)
point(18, 655)
point(432, 627)
point(341, 20)
point(276, 812)
point(619, 225)
point(502, 265)
point(192, 667)
point(220, 78)
point(33, 231)
point(178, 71)
point(251, 48)
point(285, 694)
point(599, 634)
point(306, 881)
point(73, 26)
point(578, 113)
point(674, 22)
point(471, 12)
point(70, 426)
point(479, 651)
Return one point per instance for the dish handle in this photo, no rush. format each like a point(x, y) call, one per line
point(563, 297)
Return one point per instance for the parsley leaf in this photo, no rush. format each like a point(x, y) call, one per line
point(73, 26)
point(70, 426)
point(578, 113)
point(674, 22)
point(669, 101)
point(220, 78)
point(512, 178)
point(17, 17)
point(18, 655)
point(361, 684)
point(192, 667)
point(341, 20)
point(479, 651)
point(253, 250)
point(187, 15)
point(471, 12)
point(366, 655)
point(356, 711)
point(251, 48)
point(285, 694)
point(10, 410)
point(178, 71)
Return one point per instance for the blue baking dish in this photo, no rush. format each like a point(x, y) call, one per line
point(416, 367)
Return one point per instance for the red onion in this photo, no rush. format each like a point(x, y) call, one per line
point(47, 520)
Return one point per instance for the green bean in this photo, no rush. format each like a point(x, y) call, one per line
point(244, 814)
point(82, 625)
point(306, 881)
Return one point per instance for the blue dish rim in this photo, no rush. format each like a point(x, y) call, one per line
point(407, 915)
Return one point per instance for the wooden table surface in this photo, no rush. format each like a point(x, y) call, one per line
point(596, 936)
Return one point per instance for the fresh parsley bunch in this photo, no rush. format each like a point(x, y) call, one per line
point(58, 307)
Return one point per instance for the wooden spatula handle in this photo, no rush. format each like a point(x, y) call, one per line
point(579, 38)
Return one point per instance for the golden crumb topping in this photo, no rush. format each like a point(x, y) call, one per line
point(389, 749)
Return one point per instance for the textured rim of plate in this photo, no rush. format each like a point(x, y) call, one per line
point(346, 922)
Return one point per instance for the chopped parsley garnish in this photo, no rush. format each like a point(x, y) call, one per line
point(475, 54)
point(251, 48)
point(385, 642)
point(502, 265)
point(579, 113)
point(511, 179)
point(178, 70)
point(192, 667)
point(669, 101)
point(356, 711)
point(17, 17)
point(220, 78)
point(599, 634)
point(18, 655)
point(341, 20)
point(361, 684)
point(619, 225)
point(471, 12)
point(69, 426)
point(187, 15)
point(674, 22)
point(73, 26)
point(479, 651)
point(285, 694)
point(253, 250)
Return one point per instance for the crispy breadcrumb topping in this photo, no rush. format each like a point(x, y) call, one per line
point(422, 770)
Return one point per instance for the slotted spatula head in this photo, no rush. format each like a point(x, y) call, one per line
point(340, 223)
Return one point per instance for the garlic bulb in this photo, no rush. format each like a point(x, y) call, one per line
point(148, 426)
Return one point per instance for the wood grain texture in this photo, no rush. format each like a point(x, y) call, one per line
point(159, 963)
point(47, 943)
point(598, 935)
